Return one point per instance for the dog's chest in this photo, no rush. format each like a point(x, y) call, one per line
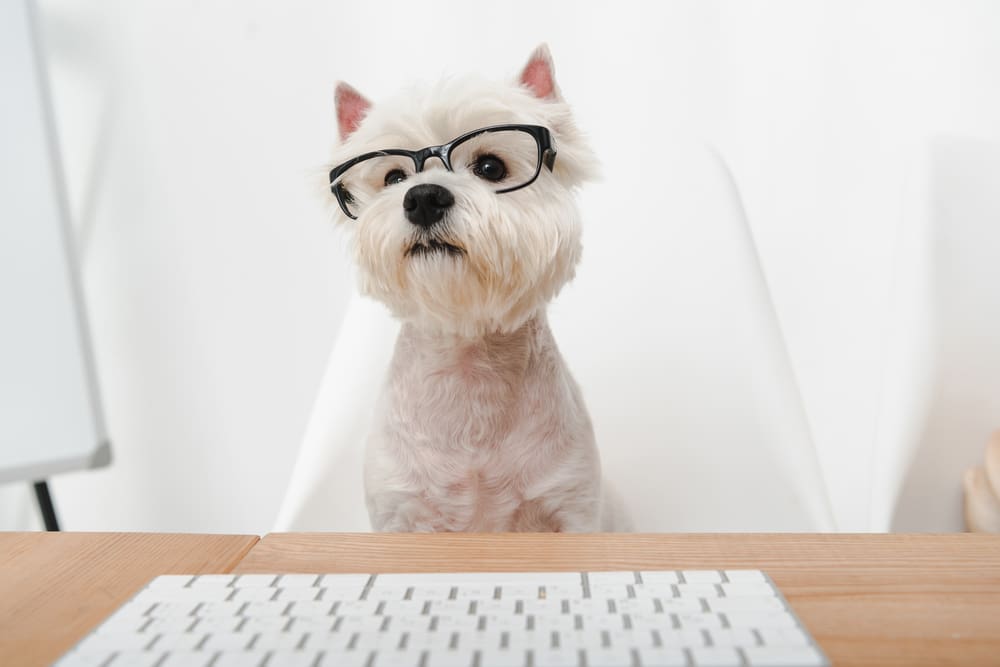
point(468, 425)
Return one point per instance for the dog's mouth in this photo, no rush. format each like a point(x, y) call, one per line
point(430, 247)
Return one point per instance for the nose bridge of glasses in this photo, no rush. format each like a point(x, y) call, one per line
point(440, 152)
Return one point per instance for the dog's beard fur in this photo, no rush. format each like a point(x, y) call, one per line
point(495, 259)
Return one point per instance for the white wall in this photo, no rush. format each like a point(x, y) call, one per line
point(215, 286)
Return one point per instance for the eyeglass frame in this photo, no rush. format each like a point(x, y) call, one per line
point(541, 135)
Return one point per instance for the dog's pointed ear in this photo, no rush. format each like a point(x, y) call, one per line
point(351, 109)
point(539, 74)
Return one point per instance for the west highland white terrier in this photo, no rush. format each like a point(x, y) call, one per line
point(460, 199)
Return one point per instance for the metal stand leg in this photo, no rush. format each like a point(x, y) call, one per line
point(45, 505)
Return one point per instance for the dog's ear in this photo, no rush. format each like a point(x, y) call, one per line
point(539, 74)
point(351, 109)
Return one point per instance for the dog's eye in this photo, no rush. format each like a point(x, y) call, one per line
point(395, 176)
point(489, 167)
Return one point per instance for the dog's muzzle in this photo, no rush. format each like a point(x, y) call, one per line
point(426, 204)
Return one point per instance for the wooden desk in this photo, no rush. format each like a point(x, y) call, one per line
point(55, 587)
point(867, 599)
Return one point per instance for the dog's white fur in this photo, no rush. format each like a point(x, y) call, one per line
point(480, 426)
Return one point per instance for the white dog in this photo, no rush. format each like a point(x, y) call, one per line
point(464, 225)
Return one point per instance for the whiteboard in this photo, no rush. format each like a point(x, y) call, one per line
point(50, 418)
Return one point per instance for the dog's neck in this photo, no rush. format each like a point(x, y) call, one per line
point(504, 353)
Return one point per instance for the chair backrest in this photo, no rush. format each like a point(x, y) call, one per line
point(941, 396)
point(671, 333)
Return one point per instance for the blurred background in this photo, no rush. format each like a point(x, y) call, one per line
point(192, 134)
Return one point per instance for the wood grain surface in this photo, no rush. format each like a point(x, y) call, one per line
point(867, 599)
point(55, 587)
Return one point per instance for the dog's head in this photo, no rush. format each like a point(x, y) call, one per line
point(460, 198)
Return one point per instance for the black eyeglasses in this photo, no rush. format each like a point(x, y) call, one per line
point(507, 156)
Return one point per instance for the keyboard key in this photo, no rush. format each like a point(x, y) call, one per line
point(254, 580)
point(780, 656)
point(760, 619)
point(481, 639)
point(181, 595)
point(637, 606)
point(609, 657)
point(297, 594)
point(680, 605)
point(332, 641)
point(636, 638)
point(298, 580)
point(699, 620)
point(554, 622)
point(227, 641)
point(556, 657)
point(653, 590)
point(456, 658)
point(315, 608)
point(178, 641)
point(662, 657)
point(529, 591)
point(288, 659)
point(784, 637)
point(170, 624)
point(345, 580)
point(238, 659)
point(341, 593)
point(344, 659)
point(258, 594)
point(378, 592)
point(504, 658)
point(503, 606)
point(266, 624)
point(457, 623)
point(396, 659)
point(213, 624)
point(726, 605)
point(212, 609)
point(187, 659)
point(702, 576)
point(716, 656)
point(136, 659)
point(170, 581)
point(403, 608)
point(735, 637)
point(432, 592)
point(698, 590)
point(164, 609)
point(598, 578)
point(749, 576)
point(659, 577)
point(347, 607)
point(679, 638)
point(213, 580)
point(754, 588)
point(449, 607)
point(272, 608)
point(610, 591)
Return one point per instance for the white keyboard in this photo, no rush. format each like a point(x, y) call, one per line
point(514, 619)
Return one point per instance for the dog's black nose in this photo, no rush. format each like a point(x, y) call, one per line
point(425, 204)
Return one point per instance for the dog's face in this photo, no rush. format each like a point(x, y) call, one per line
point(451, 250)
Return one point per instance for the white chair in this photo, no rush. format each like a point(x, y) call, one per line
point(941, 398)
point(670, 330)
